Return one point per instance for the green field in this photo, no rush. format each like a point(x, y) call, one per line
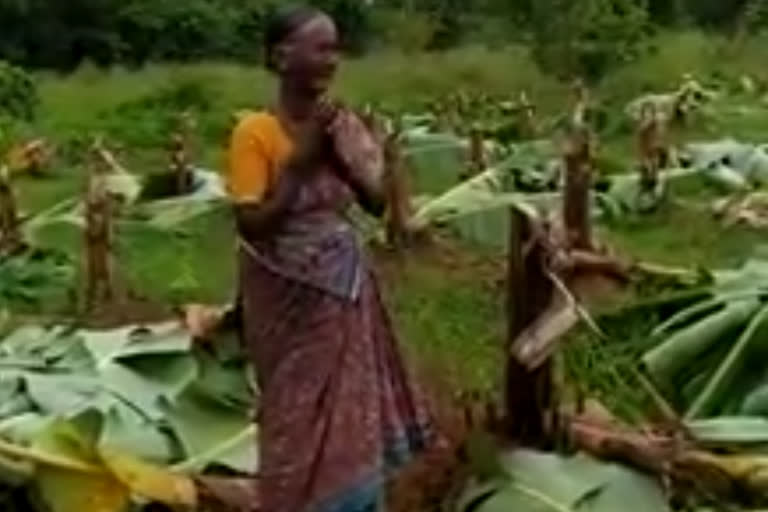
point(443, 311)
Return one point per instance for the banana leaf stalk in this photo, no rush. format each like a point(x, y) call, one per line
point(700, 309)
point(680, 461)
point(397, 186)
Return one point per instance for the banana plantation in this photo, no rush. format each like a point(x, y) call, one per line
point(620, 256)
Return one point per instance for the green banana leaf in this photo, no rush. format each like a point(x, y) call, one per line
point(127, 431)
point(110, 345)
point(145, 381)
point(213, 434)
point(735, 164)
point(539, 482)
point(756, 403)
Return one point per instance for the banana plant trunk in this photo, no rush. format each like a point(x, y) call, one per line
point(98, 242)
point(10, 235)
point(180, 168)
point(477, 158)
point(398, 193)
point(529, 396)
point(578, 183)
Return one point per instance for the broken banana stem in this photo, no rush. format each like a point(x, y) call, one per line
point(735, 478)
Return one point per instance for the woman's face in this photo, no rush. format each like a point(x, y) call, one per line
point(311, 55)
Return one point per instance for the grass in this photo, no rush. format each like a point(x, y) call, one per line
point(445, 313)
point(685, 234)
point(450, 312)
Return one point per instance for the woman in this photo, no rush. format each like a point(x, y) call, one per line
point(338, 414)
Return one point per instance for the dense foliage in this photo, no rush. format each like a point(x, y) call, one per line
point(18, 93)
point(46, 33)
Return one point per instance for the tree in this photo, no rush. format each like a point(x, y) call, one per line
point(754, 17)
point(448, 23)
point(715, 13)
point(583, 37)
point(666, 12)
point(354, 21)
point(587, 37)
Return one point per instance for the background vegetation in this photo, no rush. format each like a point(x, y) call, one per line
point(127, 69)
point(584, 35)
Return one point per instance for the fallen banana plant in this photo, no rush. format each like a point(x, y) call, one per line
point(30, 157)
point(90, 420)
point(207, 197)
point(748, 210)
point(690, 96)
point(104, 480)
point(705, 361)
point(734, 164)
point(682, 460)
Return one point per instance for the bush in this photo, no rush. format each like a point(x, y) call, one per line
point(148, 120)
point(670, 56)
point(18, 93)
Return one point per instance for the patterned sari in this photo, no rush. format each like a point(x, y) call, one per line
point(338, 412)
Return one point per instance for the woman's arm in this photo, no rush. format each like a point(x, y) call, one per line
point(256, 220)
point(360, 159)
point(369, 191)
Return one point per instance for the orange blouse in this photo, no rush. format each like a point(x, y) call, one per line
point(258, 147)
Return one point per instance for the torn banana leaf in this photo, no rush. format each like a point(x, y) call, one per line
point(165, 214)
point(734, 164)
point(484, 192)
point(626, 192)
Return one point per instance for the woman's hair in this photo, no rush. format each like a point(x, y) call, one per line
point(283, 22)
